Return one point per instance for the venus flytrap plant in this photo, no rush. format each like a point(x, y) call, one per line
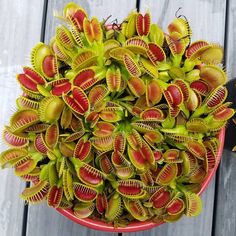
point(118, 122)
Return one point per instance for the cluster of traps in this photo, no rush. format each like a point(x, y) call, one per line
point(118, 122)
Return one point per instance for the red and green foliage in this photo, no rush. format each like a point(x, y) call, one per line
point(118, 122)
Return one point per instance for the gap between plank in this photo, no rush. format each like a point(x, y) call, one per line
point(44, 19)
point(138, 5)
point(215, 211)
point(25, 214)
point(27, 185)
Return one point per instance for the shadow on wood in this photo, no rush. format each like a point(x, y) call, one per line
point(230, 141)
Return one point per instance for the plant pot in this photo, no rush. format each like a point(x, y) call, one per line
point(139, 226)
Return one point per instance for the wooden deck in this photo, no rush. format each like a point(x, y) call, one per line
point(25, 22)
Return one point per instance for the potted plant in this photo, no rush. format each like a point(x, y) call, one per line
point(118, 126)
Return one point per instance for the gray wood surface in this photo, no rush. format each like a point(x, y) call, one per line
point(206, 18)
point(225, 214)
point(41, 219)
point(20, 30)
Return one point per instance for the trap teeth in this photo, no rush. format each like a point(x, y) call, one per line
point(92, 30)
point(23, 119)
point(15, 140)
point(131, 66)
point(30, 79)
point(143, 24)
point(50, 109)
point(155, 53)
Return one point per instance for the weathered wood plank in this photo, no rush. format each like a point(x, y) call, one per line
point(20, 30)
point(231, 38)
point(225, 218)
point(41, 219)
point(206, 18)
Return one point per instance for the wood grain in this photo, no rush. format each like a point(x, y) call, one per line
point(20, 30)
point(225, 214)
point(231, 39)
point(206, 19)
point(41, 219)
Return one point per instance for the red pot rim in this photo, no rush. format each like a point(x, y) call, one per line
point(139, 226)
